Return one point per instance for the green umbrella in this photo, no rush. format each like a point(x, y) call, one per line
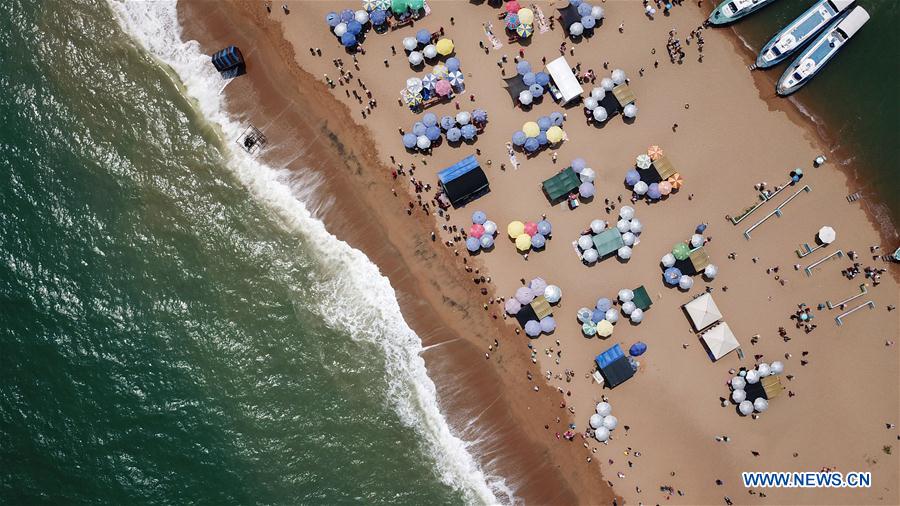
point(416, 4)
point(589, 329)
point(681, 251)
point(399, 6)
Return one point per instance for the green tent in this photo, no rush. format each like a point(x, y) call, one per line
point(561, 184)
point(608, 241)
point(641, 299)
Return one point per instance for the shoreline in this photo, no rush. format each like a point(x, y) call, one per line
point(425, 305)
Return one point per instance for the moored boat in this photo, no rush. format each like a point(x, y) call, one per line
point(798, 32)
point(730, 11)
point(821, 50)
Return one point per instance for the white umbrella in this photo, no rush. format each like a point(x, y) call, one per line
point(415, 58)
point(626, 212)
point(710, 271)
point(760, 404)
point(685, 282)
point(597, 12)
point(777, 367)
point(636, 226)
point(623, 225)
point(630, 111)
point(590, 103)
point(590, 256)
point(414, 85)
point(463, 117)
point(552, 293)
point(409, 43)
point(641, 188)
point(490, 228)
point(738, 396)
point(525, 97)
point(429, 51)
point(696, 240)
point(604, 409)
point(587, 175)
point(637, 315)
point(752, 377)
point(624, 252)
point(668, 260)
point(423, 142)
point(598, 226)
point(628, 238)
point(827, 235)
point(607, 84)
point(612, 316)
point(600, 114)
point(340, 29)
point(745, 407)
point(643, 161)
point(628, 308)
point(598, 93)
point(763, 369)
point(602, 434)
point(585, 242)
point(361, 17)
point(610, 422)
point(625, 295)
point(738, 383)
point(596, 421)
point(618, 76)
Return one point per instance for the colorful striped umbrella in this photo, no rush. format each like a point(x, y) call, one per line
point(525, 30)
point(369, 5)
point(428, 81)
point(512, 21)
point(412, 99)
point(384, 5)
point(456, 78)
point(440, 70)
point(676, 181)
point(654, 152)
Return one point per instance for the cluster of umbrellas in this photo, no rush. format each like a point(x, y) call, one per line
point(428, 131)
point(481, 233)
point(535, 135)
point(629, 308)
point(587, 175)
point(590, 15)
point(592, 107)
point(442, 81)
point(537, 83)
point(603, 422)
point(598, 321)
point(519, 20)
point(653, 191)
point(739, 382)
point(529, 235)
point(628, 226)
point(422, 40)
point(525, 295)
point(348, 25)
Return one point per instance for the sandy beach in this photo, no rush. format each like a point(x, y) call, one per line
point(732, 133)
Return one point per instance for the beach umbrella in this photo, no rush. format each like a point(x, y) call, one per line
point(452, 63)
point(525, 97)
point(473, 244)
point(530, 227)
point(543, 79)
point(532, 328)
point(685, 282)
point(604, 328)
point(681, 251)
point(429, 119)
point(476, 230)
point(710, 271)
point(763, 369)
point(548, 324)
point(598, 93)
point(415, 58)
point(512, 7)
point(447, 122)
point(515, 229)
point(777, 367)
point(555, 135)
point(512, 306)
point(618, 76)
point(454, 134)
point(409, 43)
point(413, 99)
point(526, 16)
point(479, 116)
point(745, 407)
point(384, 5)
point(524, 30)
point(399, 6)
point(532, 144)
point(628, 308)
point(597, 12)
point(654, 152)
point(333, 19)
point(603, 304)
point(637, 316)
point(596, 421)
point(544, 123)
point(603, 409)
point(479, 217)
point(552, 294)
point(442, 87)
point(423, 36)
point(585, 242)
point(576, 29)
point(610, 422)
point(623, 225)
point(490, 228)
point(700, 228)
point(624, 252)
point(625, 295)
point(632, 177)
point(422, 142)
point(630, 111)
point(419, 128)
point(636, 227)
point(578, 165)
point(544, 228)
point(590, 255)
point(416, 4)
point(626, 213)
point(518, 138)
point(738, 396)
point(444, 46)
point(361, 17)
point(523, 67)
point(760, 404)
point(536, 90)
point(463, 117)
point(529, 78)
point(675, 181)
point(612, 316)
point(428, 81)
point(600, 115)
point(487, 241)
point(637, 349)
point(429, 51)
point(665, 187)
point(378, 17)
point(584, 9)
point(523, 242)
point(653, 191)
point(433, 133)
point(601, 434)
point(531, 129)
point(641, 188)
point(346, 15)
point(588, 329)
point(643, 161)
point(588, 22)
point(752, 377)
point(672, 275)
point(456, 79)
point(607, 84)
point(827, 235)
point(628, 238)
point(340, 29)
point(598, 226)
point(590, 103)
point(597, 315)
point(409, 140)
point(524, 295)
point(696, 240)
point(584, 315)
point(440, 70)
point(668, 260)
point(542, 138)
point(512, 21)
point(738, 383)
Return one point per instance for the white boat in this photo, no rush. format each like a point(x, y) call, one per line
point(821, 51)
point(797, 33)
point(730, 11)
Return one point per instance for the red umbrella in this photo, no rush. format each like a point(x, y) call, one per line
point(512, 6)
point(442, 87)
point(476, 230)
point(531, 228)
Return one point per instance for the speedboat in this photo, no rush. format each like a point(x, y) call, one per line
point(730, 11)
point(793, 36)
point(821, 51)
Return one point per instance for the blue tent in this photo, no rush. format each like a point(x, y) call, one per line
point(463, 181)
point(229, 59)
point(614, 366)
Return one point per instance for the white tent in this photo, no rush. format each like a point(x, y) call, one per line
point(720, 340)
point(703, 311)
point(561, 73)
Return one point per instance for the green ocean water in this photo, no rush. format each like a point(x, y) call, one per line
point(165, 336)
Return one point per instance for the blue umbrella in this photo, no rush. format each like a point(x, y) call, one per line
point(671, 275)
point(632, 177)
point(433, 133)
point(378, 17)
point(544, 123)
point(430, 119)
point(468, 131)
point(523, 67)
point(479, 217)
point(575, 3)
point(479, 116)
point(544, 228)
point(542, 78)
point(584, 10)
point(557, 118)
point(419, 128)
point(354, 27)
point(538, 241)
point(586, 190)
point(653, 191)
point(333, 19)
point(348, 39)
point(548, 324)
point(604, 304)
point(578, 164)
point(532, 144)
point(536, 90)
point(519, 138)
point(423, 36)
point(532, 328)
point(409, 140)
point(542, 138)
point(597, 315)
point(637, 349)
point(346, 15)
point(452, 64)
point(528, 78)
point(700, 228)
point(487, 241)
point(448, 122)
point(454, 134)
point(588, 22)
point(473, 244)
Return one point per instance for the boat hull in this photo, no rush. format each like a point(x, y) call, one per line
point(719, 17)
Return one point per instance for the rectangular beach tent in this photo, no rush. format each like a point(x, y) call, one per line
point(541, 307)
point(699, 259)
point(703, 311)
point(720, 341)
point(641, 298)
point(561, 73)
point(561, 184)
point(608, 241)
point(663, 167)
point(463, 181)
point(623, 95)
point(614, 366)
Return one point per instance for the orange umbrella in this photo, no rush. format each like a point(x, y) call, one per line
point(676, 181)
point(655, 152)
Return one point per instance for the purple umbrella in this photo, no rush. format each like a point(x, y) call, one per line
point(544, 123)
point(419, 128)
point(578, 164)
point(544, 228)
point(472, 244)
point(632, 177)
point(586, 190)
point(346, 15)
point(479, 116)
point(532, 328)
point(519, 138)
point(548, 324)
point(653, 191)
point(536, 90)
point(597, 315)
point(348, 39)
point(468, 132)
point(429, 119)
point(542, 138)
point(512, 306)
point(448, 122)
point(604, 304)
point(354, 27)
point(454, 134)
point(538, 241)
point(378, 17)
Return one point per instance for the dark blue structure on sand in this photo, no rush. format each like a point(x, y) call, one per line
point(229, 62)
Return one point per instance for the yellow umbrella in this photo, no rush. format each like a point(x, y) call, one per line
point(554, 134)
point(676, 181)
point(655, 152)
point(531, 129)
point(526, 16)
point(604, 328)
point(444, 46)
point(523, 242)
point(515, 229)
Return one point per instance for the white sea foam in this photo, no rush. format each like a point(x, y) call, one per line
point(368, 304)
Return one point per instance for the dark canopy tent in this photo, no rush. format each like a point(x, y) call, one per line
point(641, 298)
point(514, 86)
point(561, 184)
point(229, 62)
point(463, 181)
point(614, 366)
point(567, 16)
point(526, 314)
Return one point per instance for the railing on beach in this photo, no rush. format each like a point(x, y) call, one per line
point(777, 211)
